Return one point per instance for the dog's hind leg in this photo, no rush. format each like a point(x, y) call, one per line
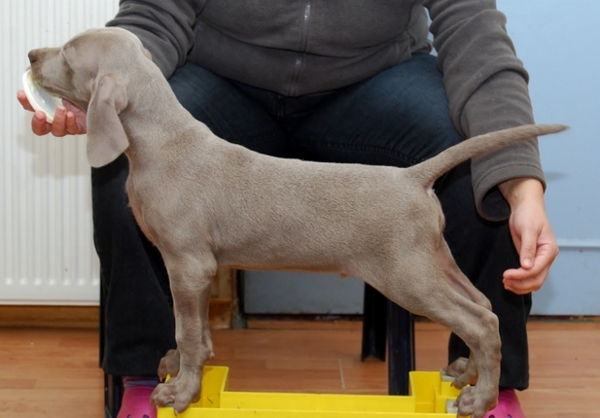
point(462, 369)
point(190, 279)
point(425, 290)
point(457, 279)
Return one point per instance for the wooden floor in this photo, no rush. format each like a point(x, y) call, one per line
point(54, 372)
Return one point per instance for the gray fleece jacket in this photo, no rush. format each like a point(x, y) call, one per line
point(297, 47)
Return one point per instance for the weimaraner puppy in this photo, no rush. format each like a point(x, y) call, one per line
point(206, 203)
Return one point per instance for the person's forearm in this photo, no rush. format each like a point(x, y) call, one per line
point(517, 191)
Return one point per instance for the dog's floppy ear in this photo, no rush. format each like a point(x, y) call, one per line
point(106, 135)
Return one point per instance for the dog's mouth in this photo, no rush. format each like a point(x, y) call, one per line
point(39, 80)
point(70, 104)
point(45, 97)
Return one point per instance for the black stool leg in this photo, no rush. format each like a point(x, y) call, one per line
point(374, 324)
point(113, 391)
point(113, 385)
point(401, 344)
point(381, 318)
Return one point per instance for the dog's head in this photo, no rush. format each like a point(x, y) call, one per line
point(92, 70)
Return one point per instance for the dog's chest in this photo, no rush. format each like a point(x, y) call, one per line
point(136, 208)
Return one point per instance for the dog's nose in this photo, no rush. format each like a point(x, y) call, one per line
point(33, 56)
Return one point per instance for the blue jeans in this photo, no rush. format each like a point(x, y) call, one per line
point(398, 117)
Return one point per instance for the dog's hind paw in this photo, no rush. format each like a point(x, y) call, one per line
point(464, 372)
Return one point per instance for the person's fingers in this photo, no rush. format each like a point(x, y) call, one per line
point(522, 280)
point(59, 128)
point(71, 124)
point(39, 125)
point(522, 286)
point(529, 245)
point(22, 98)
point(76, 118)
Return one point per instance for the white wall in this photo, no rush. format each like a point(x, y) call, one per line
point(46, 249)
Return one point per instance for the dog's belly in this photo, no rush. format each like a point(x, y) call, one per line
point(277, 249)
point(285, 262)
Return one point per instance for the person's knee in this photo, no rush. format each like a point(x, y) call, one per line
point(404, 108)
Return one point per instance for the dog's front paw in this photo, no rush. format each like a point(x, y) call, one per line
point(475, 403)
point(179, 392)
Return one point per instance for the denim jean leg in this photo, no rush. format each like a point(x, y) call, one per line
point(136, 314)
point(401, 117)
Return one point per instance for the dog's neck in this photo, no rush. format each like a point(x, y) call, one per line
point(170, 124)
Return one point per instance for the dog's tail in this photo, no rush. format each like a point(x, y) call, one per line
point(429, 170)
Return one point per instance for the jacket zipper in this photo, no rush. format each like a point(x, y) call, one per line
point(300, 54)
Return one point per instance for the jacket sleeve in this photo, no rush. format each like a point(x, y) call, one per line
point(166, 28)
point(487, 90)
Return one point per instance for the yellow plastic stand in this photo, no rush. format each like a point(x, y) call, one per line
point(430, 396)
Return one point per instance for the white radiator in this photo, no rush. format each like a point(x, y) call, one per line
point(46, 244)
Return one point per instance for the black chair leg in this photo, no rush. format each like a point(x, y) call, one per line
point(401, 345)
point(384, 320)
point(113, 391)
point(374, 324)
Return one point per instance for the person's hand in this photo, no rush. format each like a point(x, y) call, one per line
point(68, 120)
point(531, 233)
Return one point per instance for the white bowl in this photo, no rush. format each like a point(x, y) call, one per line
point(39, 98)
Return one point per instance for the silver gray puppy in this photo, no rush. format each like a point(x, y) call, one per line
point(205, 202)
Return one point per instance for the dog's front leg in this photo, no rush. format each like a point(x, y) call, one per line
point(169, 364)
point(190, 285)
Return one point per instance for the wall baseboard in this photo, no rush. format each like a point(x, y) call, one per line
point(221, 316)
point(88, 316)
point(49, 316)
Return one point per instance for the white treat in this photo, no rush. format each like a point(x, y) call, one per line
point(39, 98)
